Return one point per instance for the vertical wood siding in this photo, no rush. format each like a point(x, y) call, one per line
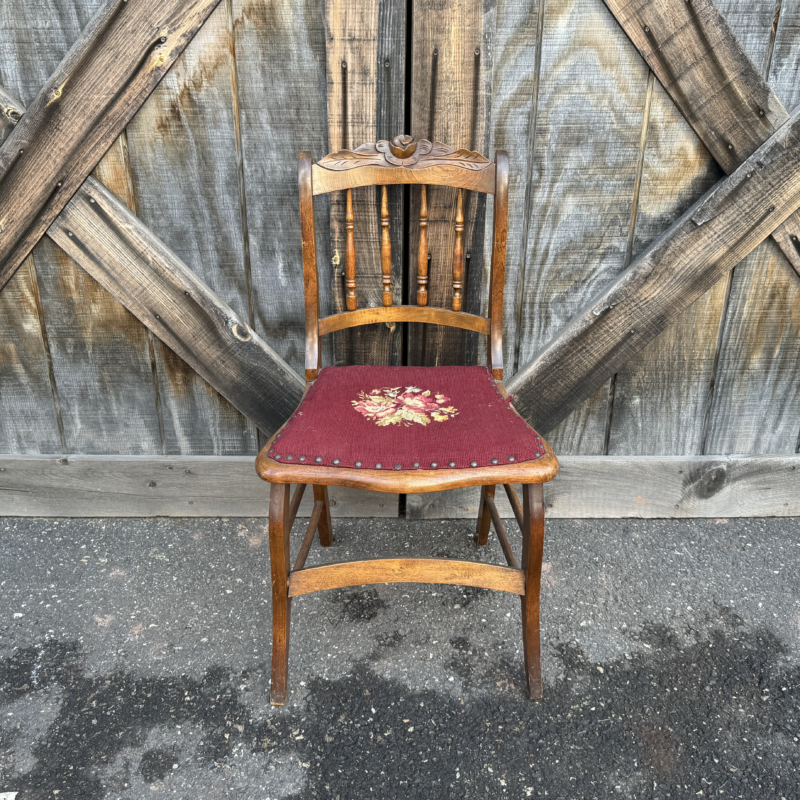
point(357, 98)
point(100, 353)
point(756, 398)
point(280, 59)
point(591, 100)
point(601, 163)
point(182, 147)
point(450, 102)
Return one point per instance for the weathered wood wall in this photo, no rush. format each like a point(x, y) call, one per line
point(602, 163)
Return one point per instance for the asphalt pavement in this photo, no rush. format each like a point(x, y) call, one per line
point(134, 663)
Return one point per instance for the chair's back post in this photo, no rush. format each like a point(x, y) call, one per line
point(310, 282)
point(498, 273)
point(350, 255)
point(422, 252)
point(458, 253)
point(386, 248)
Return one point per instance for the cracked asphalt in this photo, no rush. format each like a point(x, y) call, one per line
point(134, 663)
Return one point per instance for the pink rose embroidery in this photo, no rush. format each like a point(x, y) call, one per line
point(403, 406)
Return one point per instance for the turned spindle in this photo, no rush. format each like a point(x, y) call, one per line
point(458, 254)
point(350, 256)
point(386, 248)
point(422, 255)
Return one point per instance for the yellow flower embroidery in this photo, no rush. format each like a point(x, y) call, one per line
point(403, 406)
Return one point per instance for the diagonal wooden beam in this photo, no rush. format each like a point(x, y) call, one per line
point(143, 274)
point(102, 82)
point(717, 88)
point(689, 258)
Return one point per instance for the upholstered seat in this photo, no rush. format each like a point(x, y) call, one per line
point(400, 419)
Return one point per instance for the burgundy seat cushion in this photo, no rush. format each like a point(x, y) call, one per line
point(405, 418)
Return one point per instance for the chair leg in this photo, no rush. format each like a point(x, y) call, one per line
point(484, 518)
point(532, 548)
point(325, 528)
point(279, 501)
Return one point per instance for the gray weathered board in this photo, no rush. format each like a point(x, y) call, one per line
point(602, 163)
point(586, 487)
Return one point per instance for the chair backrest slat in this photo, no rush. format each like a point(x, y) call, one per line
point(386, 248)
point(422, 253)
point(405, 161)
point(350, 255)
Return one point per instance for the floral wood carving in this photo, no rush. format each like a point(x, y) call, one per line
point(404, 151)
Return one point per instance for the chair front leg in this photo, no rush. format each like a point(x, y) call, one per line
point(532, 549)
point(484, 517)
point(325, 528)
point(279, 502)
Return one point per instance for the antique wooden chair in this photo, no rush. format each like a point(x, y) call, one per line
point(405, 429)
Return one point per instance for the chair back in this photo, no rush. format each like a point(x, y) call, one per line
point(404, 160)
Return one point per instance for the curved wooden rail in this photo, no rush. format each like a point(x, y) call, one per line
point(436, 316)
point(325, 180)
point(406, 570)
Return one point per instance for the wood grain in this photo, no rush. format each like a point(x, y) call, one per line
point(353, 74)
point(115, 64)
point(689, 258)
point(184, 174)
point(28, 402)
point(708, 74)
point(156, 486)
point(662, 395)
point(97, 348)
point(156, 286)
point(280, 56)
point(440, 316)
point(452, 72)
point(115, 241)
point(648, 487)
point(511, 127)
point(756, 400)
point(28, 417)
point(406, 570)
point(591, 98)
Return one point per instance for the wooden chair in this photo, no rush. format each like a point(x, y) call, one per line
point(405, 429)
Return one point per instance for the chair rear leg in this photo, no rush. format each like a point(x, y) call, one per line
point(279, 564)
point(484, 518)
point(532, 549)
point(325, 528)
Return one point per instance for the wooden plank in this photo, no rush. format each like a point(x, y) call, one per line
point(708, 74)
point(184, 172)
point(450, 102)
point(511, 127)
point(156, 486)
point(29, 420)
point(280, 56)
point(586, 487)
point(108, 73)
point(591, 103)
point(661, 398)
point(97, 348)
point(699, 249)
point(756, 402)
point(649, 487)
point(353, 77)
point(124, 257)
point(406, 570)
point(161, 291)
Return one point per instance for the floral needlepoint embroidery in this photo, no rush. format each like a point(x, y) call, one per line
point(398, 406)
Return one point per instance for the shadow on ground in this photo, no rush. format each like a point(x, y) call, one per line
point(719, 716)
